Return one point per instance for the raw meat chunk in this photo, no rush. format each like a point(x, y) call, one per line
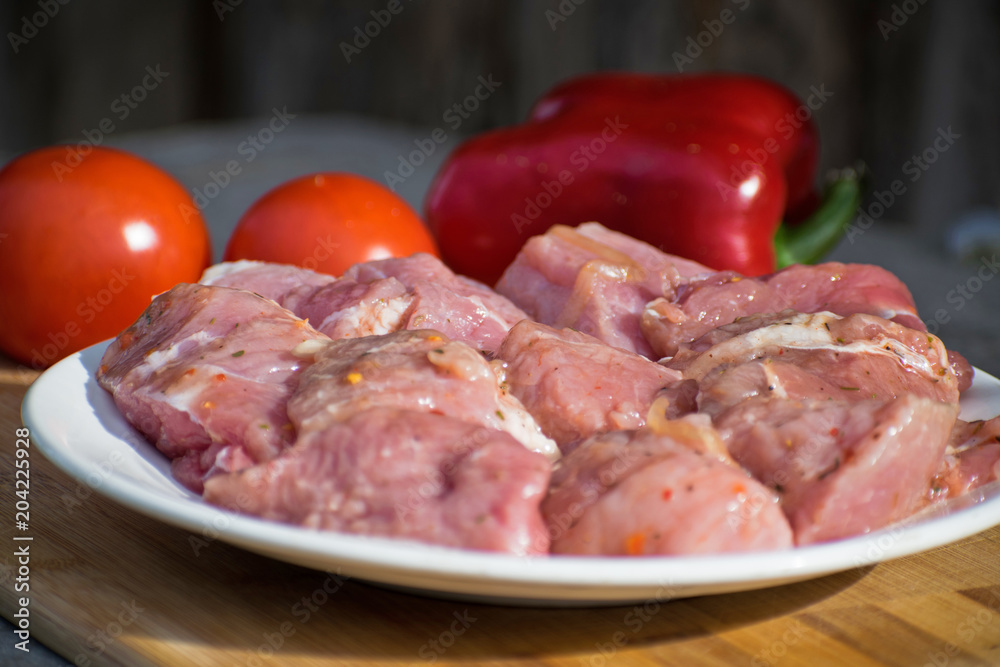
point(205, 374)
point(575, 385)
point(592, 280)
point(845, 289)
point(841, 469)
point(403, 474)
point(661, 492)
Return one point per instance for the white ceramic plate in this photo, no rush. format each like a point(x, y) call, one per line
point(75, 423)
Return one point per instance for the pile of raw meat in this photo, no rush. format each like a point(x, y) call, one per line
point(607, 398)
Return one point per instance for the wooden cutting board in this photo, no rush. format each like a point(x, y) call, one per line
point(112, 587)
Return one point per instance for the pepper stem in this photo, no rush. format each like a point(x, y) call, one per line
point(810, 240)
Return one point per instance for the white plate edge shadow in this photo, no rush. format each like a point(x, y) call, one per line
point(84, 435)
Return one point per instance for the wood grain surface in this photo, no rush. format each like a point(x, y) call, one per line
point(112, 587)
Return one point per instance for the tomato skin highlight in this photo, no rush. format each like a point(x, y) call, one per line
point(328, 222)
point(84, 248)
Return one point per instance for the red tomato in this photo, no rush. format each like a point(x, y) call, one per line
point(86, 240)
point(328, 222)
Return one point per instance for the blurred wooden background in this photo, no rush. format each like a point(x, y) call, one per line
point(899, 70)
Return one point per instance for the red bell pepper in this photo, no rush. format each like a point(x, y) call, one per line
point(703, 166)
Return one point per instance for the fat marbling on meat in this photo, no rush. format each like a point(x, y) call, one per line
point(205, 374)
point(816, 355)
point(703, 303)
